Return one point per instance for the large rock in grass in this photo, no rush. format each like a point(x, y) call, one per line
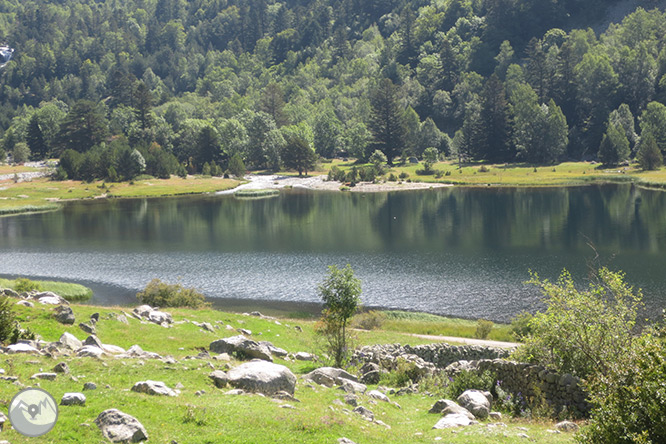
point(447, 407)
point(477, 402)
point(157, 388)
point(70, 341)
point(453, 420)
point(117, 426)
point(241, 347)
point(50, 298)
point(330, 376)
point(262, 377)
point(64, 315)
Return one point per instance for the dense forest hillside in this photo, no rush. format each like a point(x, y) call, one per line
point(118, 87)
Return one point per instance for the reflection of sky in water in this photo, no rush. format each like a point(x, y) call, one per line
point(456, 252)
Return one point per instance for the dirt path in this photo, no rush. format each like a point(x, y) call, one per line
point(469, 341)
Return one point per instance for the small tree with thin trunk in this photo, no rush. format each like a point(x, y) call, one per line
point(341, 293)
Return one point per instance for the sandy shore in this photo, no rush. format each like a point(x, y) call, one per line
point(257, 182)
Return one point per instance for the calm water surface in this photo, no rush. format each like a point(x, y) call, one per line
point(457, 251)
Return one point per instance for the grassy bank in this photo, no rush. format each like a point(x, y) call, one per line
point(69, 291)
point(515, 175)
point(213, 417)
point(253, 194)
point(428, 324)
point(40, 193)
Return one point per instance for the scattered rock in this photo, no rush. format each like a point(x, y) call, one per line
point(70, 341)
point(476, 402)
point(123, 319)
point(365, 413)
point(50, 298)
point(90, 329)
point(262, 377)
point(235, 392)
point(11, 293)
point(345, 441)
point(153, 315)
point(157, 388)
point(94, 317)
point(446, 406)
point(370, 373)
point(64, 315)
point(376, 394)
point(304, 356)
point(89, 351)
point(113, 349)
point(277, 351)
point(73, 399)
point(47, 376)
point(241, 347)
point(495, 416)
point(351, 400)
point(329, 376)
point(21, 348)
point(567, 427)
point(219, 378)
point(94, 341)
point(453, 420)
point(117, 426)
point(244, 331)
point(353, 387)
point(136, 351)
point(89, 386)
point(26, 304)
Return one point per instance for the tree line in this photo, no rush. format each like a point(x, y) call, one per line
point(191, 85)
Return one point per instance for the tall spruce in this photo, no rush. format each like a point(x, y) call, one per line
point(495, 138)
point(386, 120)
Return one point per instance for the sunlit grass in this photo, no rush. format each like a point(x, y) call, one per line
point(217, 418)
point(19, 197)
point(69, 291)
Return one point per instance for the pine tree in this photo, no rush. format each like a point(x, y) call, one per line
point(386, 120)
point(495, 144)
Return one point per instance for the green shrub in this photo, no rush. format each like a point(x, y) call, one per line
point(470, 380)
point(392, 177)
point(404, 175)
point(369, 320)
point(24, 284)
point(582, 332)
point(10, 330)
point(161, 294)
point(483, 169)
point(520, 326)
point(628, 400)
point(483, 328)
point(404, 374)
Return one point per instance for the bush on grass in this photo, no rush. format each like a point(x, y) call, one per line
point(161, 294)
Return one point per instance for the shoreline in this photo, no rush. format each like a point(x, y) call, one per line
point(111, 295)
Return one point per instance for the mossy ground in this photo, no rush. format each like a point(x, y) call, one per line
point(215, 417)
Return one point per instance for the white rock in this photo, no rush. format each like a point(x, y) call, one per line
point(376, 394)
point(90, 351)
point(262, 377)
point(69, 340)
point(157, 388)
point(452, 420)
point(117, 426)
point(21, 348)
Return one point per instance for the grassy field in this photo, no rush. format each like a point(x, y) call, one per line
point(71, 292)
point(44, 194)
point(568, 173)
point(217, 418)
point(427, 324)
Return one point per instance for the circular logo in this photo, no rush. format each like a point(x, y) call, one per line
point(33, 412)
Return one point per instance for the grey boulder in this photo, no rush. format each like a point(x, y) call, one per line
point(453, 420)
point(262, 377)
point(64, 315)
point(157, 388)
point(117, 426)
point(69, 340)
point(477, 402)
point(241, 347)
point(73, 399)
point(330, 376)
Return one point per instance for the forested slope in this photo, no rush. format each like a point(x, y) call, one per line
point(189, 83)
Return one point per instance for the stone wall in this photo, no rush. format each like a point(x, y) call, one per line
point(537, 387)
point(533, 385)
